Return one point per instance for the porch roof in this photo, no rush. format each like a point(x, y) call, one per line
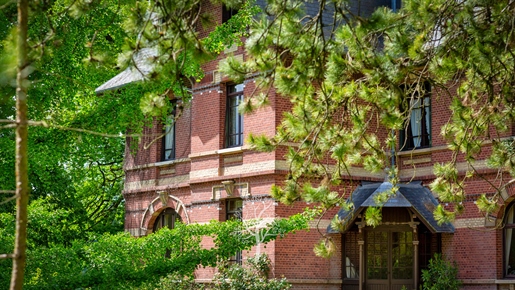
point(412, 195)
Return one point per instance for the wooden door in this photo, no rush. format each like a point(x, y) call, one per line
point(389, 258)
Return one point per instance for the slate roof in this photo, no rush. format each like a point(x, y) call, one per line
point(142, 67)
point(412, 195)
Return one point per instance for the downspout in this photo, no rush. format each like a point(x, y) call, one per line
point(392, 155)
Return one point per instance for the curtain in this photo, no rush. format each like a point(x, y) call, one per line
point(350, 269)
point(416, 121)
point(169, 138)
point(427, 110)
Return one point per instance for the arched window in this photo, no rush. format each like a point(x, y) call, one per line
point(167, 218)
point(509, 242)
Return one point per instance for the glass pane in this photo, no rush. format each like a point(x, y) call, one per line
point(235, 88)
point(167, 218)
point(402, 256)
point(234, 121)
point(234, 207)
point(169, 139)
point(377, 257)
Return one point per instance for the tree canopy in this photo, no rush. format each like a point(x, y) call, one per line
point(76, 141)
point(349, 77)
point(76, 138)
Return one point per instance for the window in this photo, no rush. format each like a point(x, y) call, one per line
point(169, 139)
point(234, 207)
point(509, 243)
point(418, 130)
point(234, 120)
point(234, 211)
point(350, 250)
point(166, 218)
point(227, 13)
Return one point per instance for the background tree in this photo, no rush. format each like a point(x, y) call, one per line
point(21, 163)
point(76, 140)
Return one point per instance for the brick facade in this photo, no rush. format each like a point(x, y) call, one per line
point(193, 182)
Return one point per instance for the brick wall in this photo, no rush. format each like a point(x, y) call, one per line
point(202, 163)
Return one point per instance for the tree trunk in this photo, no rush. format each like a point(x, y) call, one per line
point(22, 180)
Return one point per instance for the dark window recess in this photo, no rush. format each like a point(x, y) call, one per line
point(167, 218)
point(509, 243)
point(417, 132)
point(169, 139)
point(234, 211)
point(234, 120)
point(227, 13)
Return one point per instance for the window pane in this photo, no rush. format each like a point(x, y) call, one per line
point(234, 207)
point(166, 218)
point(169, 139)
point(418, 128)
point(235, 88)
point(234, 120)
point(228, 13)
point(351, 255)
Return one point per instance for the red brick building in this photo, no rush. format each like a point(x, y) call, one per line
point(203, 170)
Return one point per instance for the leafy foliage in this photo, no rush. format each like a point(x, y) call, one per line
point(251, 276)
point(325, 248)
point(146, 261)
point(440, 275)
point(66, 167)
point(231, 32)
point(349, 78)
point(171, 281)
point(76, 142)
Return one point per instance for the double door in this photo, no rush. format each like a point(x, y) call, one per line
point(389, 259)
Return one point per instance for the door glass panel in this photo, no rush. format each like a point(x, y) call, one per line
point(402, 255)
point(377, 255)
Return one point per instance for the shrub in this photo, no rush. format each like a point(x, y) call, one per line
point(440, 275)
point(253, 275)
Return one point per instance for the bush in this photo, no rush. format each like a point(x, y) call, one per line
point(172, 281)
point(251, 276)
point(440, 275)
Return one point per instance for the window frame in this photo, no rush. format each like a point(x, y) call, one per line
point(406, 136)
point(233, 118)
